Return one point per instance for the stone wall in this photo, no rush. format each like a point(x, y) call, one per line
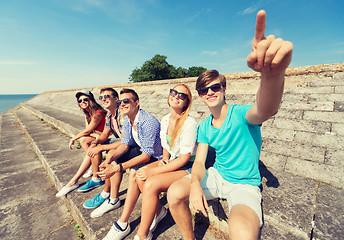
point(306, 137)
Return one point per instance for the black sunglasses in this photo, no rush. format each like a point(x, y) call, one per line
point(125, 101)
point(204, 90)
point(83, 100)
point(181, 96)
point(105, 97)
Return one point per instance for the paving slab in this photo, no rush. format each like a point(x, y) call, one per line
point(288, 205)
point(28, 207)
point(329, 213)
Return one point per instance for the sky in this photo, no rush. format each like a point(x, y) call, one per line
point(65, 44)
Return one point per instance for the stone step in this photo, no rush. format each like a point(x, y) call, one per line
point(62, 163)
point(28, 206)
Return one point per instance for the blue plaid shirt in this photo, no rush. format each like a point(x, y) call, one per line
point(148, 131)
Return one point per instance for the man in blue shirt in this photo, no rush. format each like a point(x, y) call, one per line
point(234, 132)
point(140, 145)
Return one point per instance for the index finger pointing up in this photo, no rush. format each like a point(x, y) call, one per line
point(260, 25)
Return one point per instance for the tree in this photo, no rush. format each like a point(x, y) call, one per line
point(155, 69)
point(195, 71)
point(158, 69)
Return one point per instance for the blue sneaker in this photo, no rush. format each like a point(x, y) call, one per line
point(90, 185)
point(94, 202)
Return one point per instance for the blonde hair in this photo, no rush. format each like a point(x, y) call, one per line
point(185, 113)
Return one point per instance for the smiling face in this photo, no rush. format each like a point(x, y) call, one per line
point(109, 103)
point(176, 102)
point(129, 108)
point(84, 102)
point(213, 99)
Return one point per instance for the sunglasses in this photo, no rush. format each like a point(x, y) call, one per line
point(125, 101)
point(181, 96)
point(204, 90)
point(83, 100)
point(104, 97)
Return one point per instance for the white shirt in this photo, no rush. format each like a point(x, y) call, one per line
point(185, 142)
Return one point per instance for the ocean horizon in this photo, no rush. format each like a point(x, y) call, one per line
point(8, 101)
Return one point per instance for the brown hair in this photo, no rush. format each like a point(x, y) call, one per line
point(114, 92)
point(128, 90)
point(181, 120)
point(94, 106)
point(208, 76)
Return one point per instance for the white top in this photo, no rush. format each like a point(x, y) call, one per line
point(135, 134)
point(185, 142)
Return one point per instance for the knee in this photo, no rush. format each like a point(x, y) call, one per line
point(132, 175)
point(151, 185)
point(243, 227)
point(177, 194)
point(83, 141)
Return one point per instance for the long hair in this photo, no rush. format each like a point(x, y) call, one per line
point(184, 115)
point(94, 106)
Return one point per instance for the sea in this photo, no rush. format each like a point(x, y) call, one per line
point(8, 101)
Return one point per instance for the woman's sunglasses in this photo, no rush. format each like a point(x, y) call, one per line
point(204, 90)
point(125, 101)
point(104, 97)
point(181, 96)
point(83, 100)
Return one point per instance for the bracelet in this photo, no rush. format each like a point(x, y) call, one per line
point(93, 143)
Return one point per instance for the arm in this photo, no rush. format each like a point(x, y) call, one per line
point(197, 199)
point(144, 172)
point(270, 57)
point(89, 128)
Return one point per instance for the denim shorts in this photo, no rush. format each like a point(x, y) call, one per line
point(214, 186)
point(187, 167)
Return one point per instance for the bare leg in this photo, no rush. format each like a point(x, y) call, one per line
point(243, 223)
point(150, 198)
point(132, 196)
point(86, 163)
point(85, 142)
point(178, 197)
point(95, 164)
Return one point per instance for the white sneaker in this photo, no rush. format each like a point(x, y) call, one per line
point(66, 190)
point(105, 207)
point(149, 237)
point(117, 233)
point(156, 220)
point(88, 174)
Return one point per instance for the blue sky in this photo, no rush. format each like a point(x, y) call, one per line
point(63, 44)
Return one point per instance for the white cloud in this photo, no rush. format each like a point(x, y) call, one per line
point(6, 62)
point(248, 10)
point(200, 12)
point(209, 53)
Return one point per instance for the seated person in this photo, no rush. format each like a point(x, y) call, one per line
point(109, 139)
point(140, 145)
point(94, 121)
point(178, 137)
point(234, 132)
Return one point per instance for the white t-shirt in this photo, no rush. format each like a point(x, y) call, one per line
point(185, 142)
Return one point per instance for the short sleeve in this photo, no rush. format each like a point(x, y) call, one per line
point(188, 136)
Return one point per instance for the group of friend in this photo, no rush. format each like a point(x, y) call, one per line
point(170, 156)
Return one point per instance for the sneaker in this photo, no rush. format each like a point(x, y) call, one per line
point(66, 190)
point(90, 185)
point(117, 233)
point(157, 219)
point(94, 202)
point(149, 237)
point(88, 174)
point(105, 207)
